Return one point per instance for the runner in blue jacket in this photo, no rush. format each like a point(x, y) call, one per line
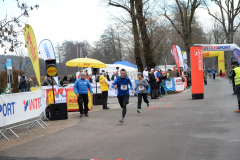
point(81, 87)
point(121, 83)
point(214, 71)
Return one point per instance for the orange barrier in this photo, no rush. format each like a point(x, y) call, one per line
point(72, 102)
point(197, 72)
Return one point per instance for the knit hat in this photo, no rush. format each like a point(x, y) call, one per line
point(83, 74)
point(144, 66)
point(139, 73)
point(152, 69)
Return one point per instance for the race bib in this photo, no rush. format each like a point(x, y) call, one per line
point(141, 88)
point(123, 87)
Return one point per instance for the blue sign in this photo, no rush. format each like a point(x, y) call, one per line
point(236, 55)
point(9, 64)
point(169, 85)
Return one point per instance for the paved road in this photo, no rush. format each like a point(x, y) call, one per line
point(173, 128)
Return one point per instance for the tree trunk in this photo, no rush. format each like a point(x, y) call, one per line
point(136, 38)
point(148, 55)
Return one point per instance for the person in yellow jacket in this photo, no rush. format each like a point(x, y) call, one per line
point(236, 75)
point(104, 85)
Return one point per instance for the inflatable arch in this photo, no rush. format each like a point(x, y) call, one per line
point(217, 50)
point(221, 61)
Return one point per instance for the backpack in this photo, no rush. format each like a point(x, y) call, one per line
point(19, 86)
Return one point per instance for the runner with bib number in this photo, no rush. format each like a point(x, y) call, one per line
point(213, 73)
point(121, 83)
point(142, 85)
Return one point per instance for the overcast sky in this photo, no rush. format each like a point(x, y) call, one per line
point(59, 20)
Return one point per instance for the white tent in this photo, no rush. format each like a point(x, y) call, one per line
point(111, 68)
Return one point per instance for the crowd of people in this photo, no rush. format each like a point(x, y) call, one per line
point(25, 83)
point(156, 78)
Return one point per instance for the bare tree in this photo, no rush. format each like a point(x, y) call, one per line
point(11, 30)
point(228, 15)
point(129, 6)
point(186, 11)
point(22, 61)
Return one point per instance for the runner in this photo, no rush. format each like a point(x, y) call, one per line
point(213, 73)
point(142, 85)
point(121, 83)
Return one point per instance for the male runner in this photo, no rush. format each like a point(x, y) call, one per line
point(121, 83)
point(213, 73)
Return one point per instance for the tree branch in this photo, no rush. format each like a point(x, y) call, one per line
point(119, 5)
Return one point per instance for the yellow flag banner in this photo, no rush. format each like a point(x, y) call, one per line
point(31, 44)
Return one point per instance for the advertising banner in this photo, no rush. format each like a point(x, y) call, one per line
point(72, 100)
point(236, 55)
point(20, 107)
point(169, 85)
point(185, 60)
point(218, 47)
point(179, 86)
point(32, 50)
point(46, 49)
point(197, 72)
point(180, 56)
point(175, 55)
point(47, 52)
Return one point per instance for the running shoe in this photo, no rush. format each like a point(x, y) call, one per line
point(148, 105)
point(81, 114)
point(237, 111)
point(121, 120)
point(86, 115)
point(139, 110)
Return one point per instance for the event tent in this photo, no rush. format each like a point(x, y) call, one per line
point(111, 68)
point(126, 63)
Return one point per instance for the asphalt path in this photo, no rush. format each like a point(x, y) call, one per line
point(172, 128)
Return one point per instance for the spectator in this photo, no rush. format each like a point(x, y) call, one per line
point(65, 80)
point(29, 83)
point(72, 79)
point(104, 86)
point(47, 81)
point(181, 72)
point(23, 83)
point(107, 76)
point(221, 72)
point(81, 87)
point(114, 76)
point(103, 71)
point(91, 79)
point(188, 78)
point(157, 77)
point(162, 82)
point(152, 82)
point(145, 73)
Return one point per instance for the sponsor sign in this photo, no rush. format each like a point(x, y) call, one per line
point(52, 71)
point(179, 85)
point(175, 55)
point(236, 54)
point(32, 50)
point(20, 107)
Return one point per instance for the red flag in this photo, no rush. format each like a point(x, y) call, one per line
point(175, 55)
